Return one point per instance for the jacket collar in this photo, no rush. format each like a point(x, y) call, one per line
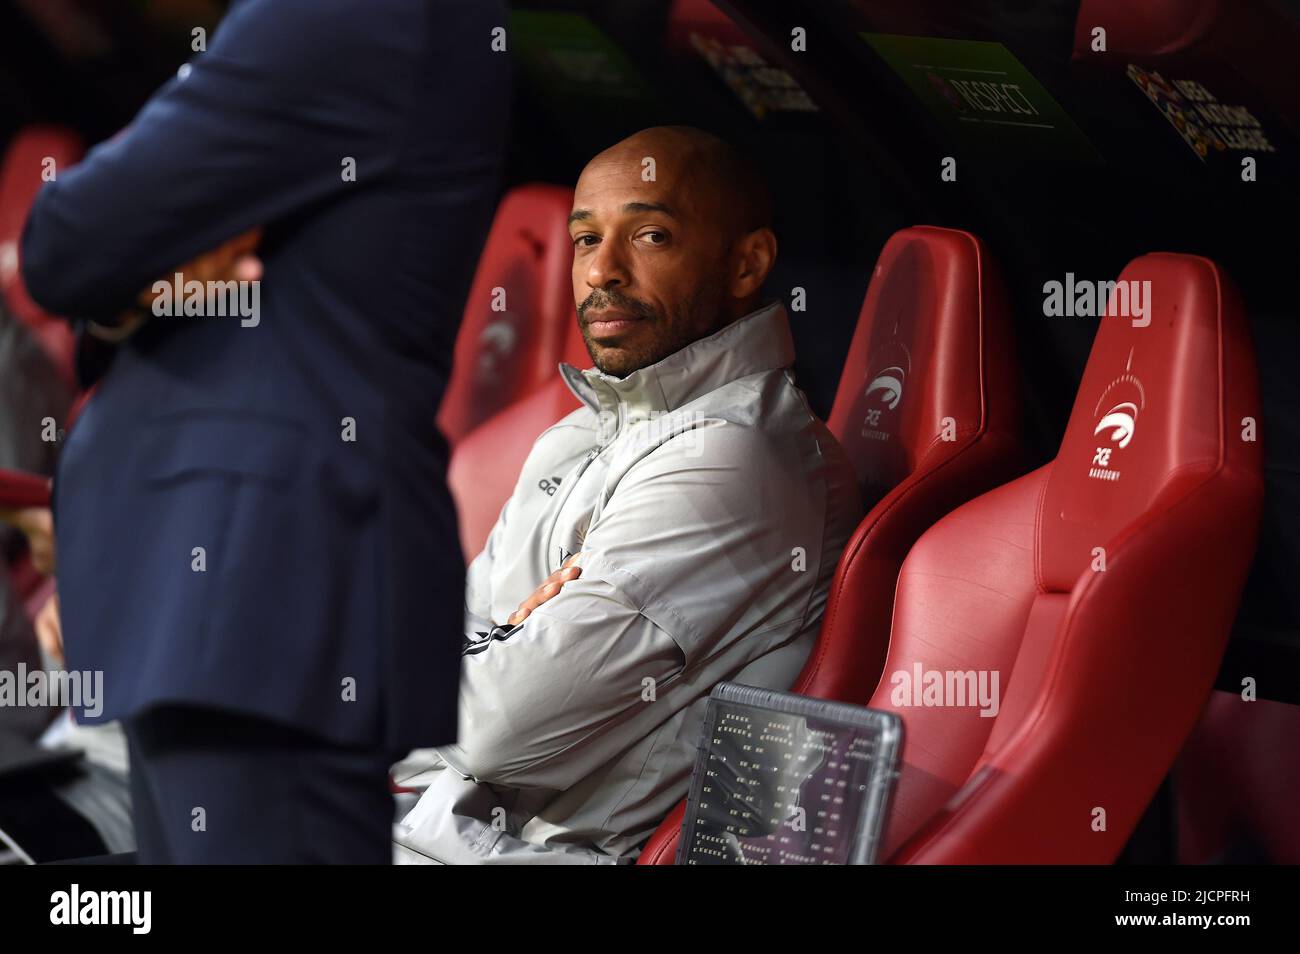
point(760, 341)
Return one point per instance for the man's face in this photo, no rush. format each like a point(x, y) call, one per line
point(649, 262)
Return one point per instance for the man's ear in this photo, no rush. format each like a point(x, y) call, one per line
point(753, 257)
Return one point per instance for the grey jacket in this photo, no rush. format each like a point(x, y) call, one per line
point(710, 507)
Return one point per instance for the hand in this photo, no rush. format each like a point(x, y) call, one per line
point(569, 570)
point(37, 524)
point(234, 260)
point(49, 630)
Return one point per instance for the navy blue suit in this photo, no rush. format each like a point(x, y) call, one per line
point(326, 564)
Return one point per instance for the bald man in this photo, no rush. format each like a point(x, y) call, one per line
point(679, 530)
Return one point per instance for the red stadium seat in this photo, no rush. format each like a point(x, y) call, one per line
point(519, 311)
point(927, 409)
point(1101, 587)
point(1237, 779)
point(486, 463)
point(1154, 28)
point(1170, 35)
point(695, 21)
point(33, 154)
point(19, 489)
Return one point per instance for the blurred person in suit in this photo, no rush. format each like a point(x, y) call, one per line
point(255, 542)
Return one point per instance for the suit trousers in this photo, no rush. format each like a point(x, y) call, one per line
point(215, 787)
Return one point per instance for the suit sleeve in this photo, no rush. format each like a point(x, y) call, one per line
point(259, 127)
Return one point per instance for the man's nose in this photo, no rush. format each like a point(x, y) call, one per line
point(607, 268)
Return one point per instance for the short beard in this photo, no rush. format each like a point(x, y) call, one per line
point(700, 316)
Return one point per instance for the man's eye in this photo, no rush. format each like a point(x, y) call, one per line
point(654, 237)
point(582, 241)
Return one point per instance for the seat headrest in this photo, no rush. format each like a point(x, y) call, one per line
point(34, 154)
point(1169, 394)
point(694, 21)
point(511, 340)
point(930, 358)
point(1153, 28)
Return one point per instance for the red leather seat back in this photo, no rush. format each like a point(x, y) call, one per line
point(931, 354)
point(33, 155)
point(1154, 28)
point(927, 410)
point(1178, 37)
point(1099, 589)
point(1237, 778)
point(519, 312)
point(962, 602)
point(691, 22)
point(1160, 406)
point(485, 465)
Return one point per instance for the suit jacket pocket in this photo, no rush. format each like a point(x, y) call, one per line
point(181, 446)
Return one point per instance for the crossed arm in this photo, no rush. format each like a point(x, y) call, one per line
point(678, 554)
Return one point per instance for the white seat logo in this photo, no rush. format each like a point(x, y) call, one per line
point(497, 344)
point(1121, 420)
point(1117, 425)
point(889, 383)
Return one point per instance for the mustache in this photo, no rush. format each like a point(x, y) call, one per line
point(602, 298)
